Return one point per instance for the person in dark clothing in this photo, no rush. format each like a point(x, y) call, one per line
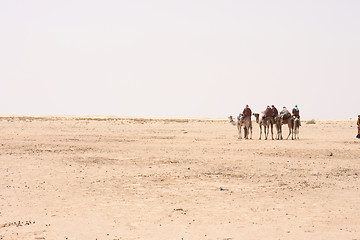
point(275, 111)
point(247, 112)
point(284, 114)
point(296, 113)
point(268, 112)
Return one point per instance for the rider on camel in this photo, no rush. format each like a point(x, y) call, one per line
point(267, 113)
point(275, 111)
point(246, 113)
point(284, 114)
point(296, 113)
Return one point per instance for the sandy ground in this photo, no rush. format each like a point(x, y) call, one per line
point(68, 178)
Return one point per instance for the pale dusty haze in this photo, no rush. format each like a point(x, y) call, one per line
point(186, 59)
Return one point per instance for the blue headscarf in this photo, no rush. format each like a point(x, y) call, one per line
point(296, 108)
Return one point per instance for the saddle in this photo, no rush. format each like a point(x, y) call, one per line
point(286, 117)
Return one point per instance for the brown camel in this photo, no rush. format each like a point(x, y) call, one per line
point(279, 122)
point(296, 127)
point(266, 123)
point(246, 123)
point(290, 122)
point(278, 125)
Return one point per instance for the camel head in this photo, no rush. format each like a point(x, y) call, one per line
point(231, 119)
point(257, 117)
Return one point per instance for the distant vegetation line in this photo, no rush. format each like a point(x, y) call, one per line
point(129, 119)
point(132, 119)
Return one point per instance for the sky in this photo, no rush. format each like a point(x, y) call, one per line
point(179, 59)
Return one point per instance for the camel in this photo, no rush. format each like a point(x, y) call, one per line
point(296, 127)
point(257, 117)
point(266, 123)
point(279, 122)
point(246, 123)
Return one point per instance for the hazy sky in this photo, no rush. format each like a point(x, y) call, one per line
point(183, 58)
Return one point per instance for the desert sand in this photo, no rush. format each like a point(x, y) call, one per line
point(122, 178)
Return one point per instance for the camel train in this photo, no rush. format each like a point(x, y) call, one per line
point(267, 122)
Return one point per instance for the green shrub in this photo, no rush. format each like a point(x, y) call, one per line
point(312, 121)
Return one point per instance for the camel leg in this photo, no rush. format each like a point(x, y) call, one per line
point(278, 131)
point(297, 132)
point(298, 129)
point(266, 132)
point(260, 132)
point(291, 128)
point(272, 132)
point(239, 130)
point(250, 132)
point(289, 133)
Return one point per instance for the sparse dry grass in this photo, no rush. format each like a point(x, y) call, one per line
point(312, 121)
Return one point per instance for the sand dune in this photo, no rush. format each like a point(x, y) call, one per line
point(131, 178)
